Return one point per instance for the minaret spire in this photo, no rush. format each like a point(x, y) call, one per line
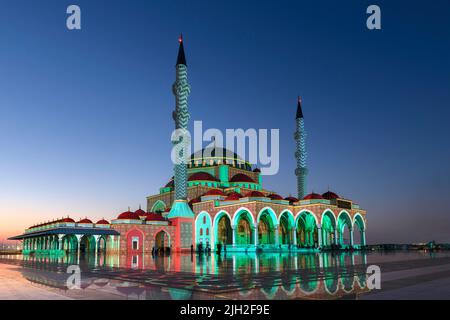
point(300, 154)
point(181, 59)
point(181, 89)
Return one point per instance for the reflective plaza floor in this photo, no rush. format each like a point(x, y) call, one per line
point(404, 275)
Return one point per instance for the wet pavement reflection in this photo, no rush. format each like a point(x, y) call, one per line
point(340, 275)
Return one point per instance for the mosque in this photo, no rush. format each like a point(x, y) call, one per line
point(214, 200)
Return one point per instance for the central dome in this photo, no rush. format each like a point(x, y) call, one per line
point(212, 156)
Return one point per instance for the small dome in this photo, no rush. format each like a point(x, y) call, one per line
point(85, 220)
point(330, 195)
point(240, 177)
point(275, 196)
point(140, 212)
point(103, 221)
point(233, 197)
point(128, 215)
point(195, 200)
point(291, 199)
point(255, 194)
point(152, 216)
point(312, 196)
point(201, 176)
point(235, 194)
point(258, 170)
point(68, 220)
point(215, 192)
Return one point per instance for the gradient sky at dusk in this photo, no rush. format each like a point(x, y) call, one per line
point(85, 116)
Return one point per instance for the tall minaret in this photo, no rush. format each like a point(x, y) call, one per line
point(300, 154)
point(181, 90)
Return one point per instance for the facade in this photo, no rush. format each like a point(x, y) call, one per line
point(216, 199)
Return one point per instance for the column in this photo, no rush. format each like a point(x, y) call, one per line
point(336, 238)
point(111, 243)
point(60, 243)
point(96, 237)
point(233, 228)
point(294, 237)
point(277, 240)
point(78, 236)
point(351, 237)
point(255, 234)
point(363, 237)
point(319, 235)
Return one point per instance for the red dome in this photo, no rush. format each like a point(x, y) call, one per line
point(233, 197)
point(128, 215)
point(215, 192)
point(140, 212)
point(103, 221)
point(195, 200)
point(68, 220)
point(255, 194)
point(291, 199)
point(312, 196)
point(201, 176)
point(275, 196)
point(151, 216)
point(235, 194)
point(330, 195)
point(240, 177)
point(85, 220)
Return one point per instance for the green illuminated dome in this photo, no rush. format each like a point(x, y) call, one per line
point(217, 156)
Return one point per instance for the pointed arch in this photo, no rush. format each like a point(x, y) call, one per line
point(203, 226)
point(158, 206)
point(222, 228)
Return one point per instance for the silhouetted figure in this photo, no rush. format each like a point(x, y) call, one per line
point(192, 249)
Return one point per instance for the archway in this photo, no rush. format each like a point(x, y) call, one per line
point(162, 240)
point(344, 225)
point(243, 221)
point(159, 206)
point(358, 221)
point(203, 229)
point(222, 229)
point(286, 227)
point(328, 228)
point(266, 227)
point(306, 229)
point(87, 243)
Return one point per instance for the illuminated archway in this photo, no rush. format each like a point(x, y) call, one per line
point(306, 225)
point(328, 228)
point(203, 233)
point(267, 222)
point(286, 225)
point(244, 224)
point(159, 206)
point(344, 225)
point(222, 228)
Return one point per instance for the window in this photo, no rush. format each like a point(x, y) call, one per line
point(135, 243)
point(201, 231)
point(204, 219)
point(207, 232)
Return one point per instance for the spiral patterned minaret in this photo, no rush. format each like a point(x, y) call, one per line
point(181, 90)
point(300, 154)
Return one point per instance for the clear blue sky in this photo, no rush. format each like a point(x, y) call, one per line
point(85, 116)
